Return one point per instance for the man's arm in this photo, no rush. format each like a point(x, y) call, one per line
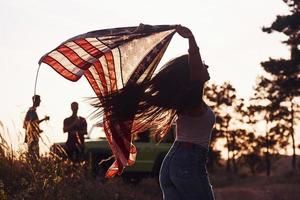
point(25, 123)
point(66, 127)
point(84, 126)
point(46, 118)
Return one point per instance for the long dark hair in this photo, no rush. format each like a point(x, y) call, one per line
point(153, 103)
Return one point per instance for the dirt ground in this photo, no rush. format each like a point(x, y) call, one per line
point(258, 187)
point(250, 188)
point(259, 192)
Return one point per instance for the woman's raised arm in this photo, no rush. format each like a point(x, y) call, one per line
point(197, 69)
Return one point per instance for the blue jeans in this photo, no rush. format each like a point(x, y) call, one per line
point(183, 174)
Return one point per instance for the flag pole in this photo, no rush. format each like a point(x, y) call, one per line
point(36, 79)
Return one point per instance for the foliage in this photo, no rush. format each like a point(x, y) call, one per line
point(230, 112)
point(284, 74)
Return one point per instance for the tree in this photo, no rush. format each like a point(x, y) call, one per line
point(243, 138)
point(285, 73)
point(221, 100)
point(252, 158)
point(265, 105)
point(211, 94)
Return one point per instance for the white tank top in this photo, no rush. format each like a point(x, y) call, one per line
point(196, 130)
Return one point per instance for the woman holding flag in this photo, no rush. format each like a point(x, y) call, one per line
point(183, 173)
point(174, 93)
point(119, 64)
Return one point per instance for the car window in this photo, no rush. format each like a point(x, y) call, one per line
point(96, 132)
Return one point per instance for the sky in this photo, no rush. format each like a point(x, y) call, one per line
point(228, 33)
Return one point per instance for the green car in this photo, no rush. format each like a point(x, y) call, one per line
point(149, 157)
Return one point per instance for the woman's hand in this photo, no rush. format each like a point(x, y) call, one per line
point(184, 31)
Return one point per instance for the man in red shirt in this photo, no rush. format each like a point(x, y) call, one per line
point(32, 128)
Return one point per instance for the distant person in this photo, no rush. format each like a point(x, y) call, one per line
point(32, 128)
point(76, 127)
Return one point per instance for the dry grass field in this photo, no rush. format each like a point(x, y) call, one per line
point(51, 178)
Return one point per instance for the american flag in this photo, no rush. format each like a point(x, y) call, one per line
point(110, 59)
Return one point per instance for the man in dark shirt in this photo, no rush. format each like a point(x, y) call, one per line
point(32, 128)
point(76, 127)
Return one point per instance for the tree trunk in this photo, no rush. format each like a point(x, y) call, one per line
point(234, 163)
point(293, 136)
point(233, 155)
point(228, 168)
point(294, 152)
point(268, 162)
